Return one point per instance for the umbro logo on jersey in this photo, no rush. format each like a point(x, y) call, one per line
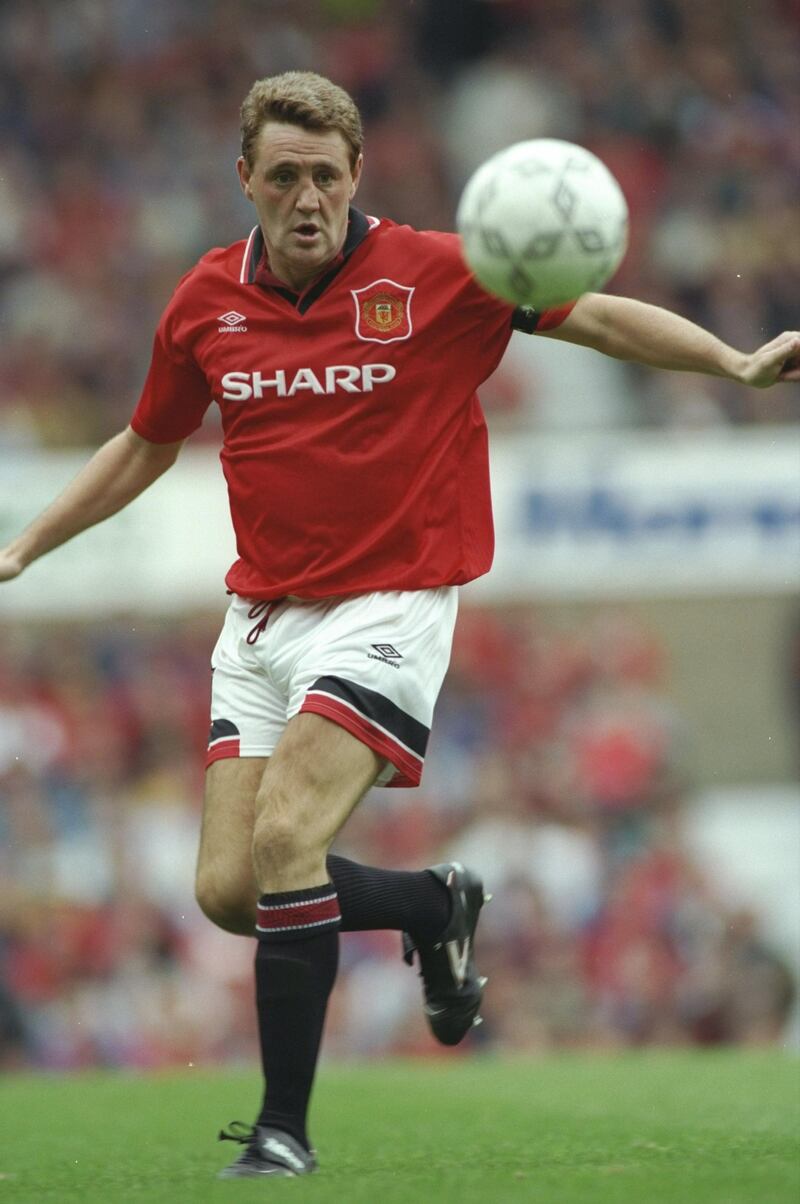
point(231, 321)
point(242, 386)
point(387, 653)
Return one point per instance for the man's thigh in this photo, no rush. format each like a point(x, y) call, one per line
point(374, 664)
point(331, 658)
point(302, 795)
point(248, 708)
point(314, 779)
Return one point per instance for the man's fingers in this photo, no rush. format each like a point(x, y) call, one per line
point(790, 358)
point(777, 360)
point(9, 567)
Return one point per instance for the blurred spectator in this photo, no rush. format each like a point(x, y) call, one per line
point(119, 125)
point(556, 767)
point(557, 760)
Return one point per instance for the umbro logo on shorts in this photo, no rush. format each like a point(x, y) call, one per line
point(232, 320)
point(386, 653)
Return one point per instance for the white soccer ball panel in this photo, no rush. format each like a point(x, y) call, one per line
point(543, 222)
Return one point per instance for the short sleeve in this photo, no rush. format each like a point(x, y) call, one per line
point(176, 393)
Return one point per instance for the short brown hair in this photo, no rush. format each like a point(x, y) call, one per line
point(300, 98)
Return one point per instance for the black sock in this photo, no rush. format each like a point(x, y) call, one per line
point(296, 962)
point(411, 901)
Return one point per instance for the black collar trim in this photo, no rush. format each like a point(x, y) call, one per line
point(358, 227)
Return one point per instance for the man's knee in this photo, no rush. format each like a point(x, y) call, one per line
point(229, 905)
point(316, 776)
point(284, 840)
point(289, 848)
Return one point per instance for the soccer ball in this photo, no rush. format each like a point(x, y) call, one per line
point(542, 222)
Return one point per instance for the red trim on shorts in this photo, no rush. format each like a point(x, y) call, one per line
point(408, 766)
point(221, 749)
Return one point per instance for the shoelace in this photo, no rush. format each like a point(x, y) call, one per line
point(238, 1131)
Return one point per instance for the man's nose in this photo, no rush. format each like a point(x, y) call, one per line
point(308, 197)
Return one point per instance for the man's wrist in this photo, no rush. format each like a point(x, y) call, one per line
point(736, 365)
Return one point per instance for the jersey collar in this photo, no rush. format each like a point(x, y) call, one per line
point(255, 270)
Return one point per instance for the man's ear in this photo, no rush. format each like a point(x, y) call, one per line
point(244, 173)
point(356, 175)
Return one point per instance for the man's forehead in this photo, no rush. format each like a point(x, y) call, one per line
point(277, 140)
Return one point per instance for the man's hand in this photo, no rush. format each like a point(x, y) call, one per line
point(10, 565)
point(775, 361)
point(117, 473)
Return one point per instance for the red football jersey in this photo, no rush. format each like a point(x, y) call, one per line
point(355, 450)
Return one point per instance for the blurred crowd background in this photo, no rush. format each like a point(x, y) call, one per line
point(558, 764)
point(119, 123)
point(560, 757)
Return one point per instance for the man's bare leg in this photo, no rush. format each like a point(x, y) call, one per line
point(225, 883)
point(308, 788)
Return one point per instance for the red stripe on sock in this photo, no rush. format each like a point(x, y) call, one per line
point(314, 913)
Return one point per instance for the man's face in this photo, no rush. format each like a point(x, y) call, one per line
point(301, 184)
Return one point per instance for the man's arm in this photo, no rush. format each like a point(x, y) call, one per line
point(633, 330)
point(117, 473)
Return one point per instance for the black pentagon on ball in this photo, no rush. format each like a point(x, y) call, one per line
point(590, 239)
point(519, 280)
point(495, 243)
point(486, 194)
point(542, 245)
point(565, 199)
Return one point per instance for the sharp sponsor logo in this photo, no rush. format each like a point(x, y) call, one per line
point(345, 378)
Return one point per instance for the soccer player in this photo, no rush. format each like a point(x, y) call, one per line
point(344, 352)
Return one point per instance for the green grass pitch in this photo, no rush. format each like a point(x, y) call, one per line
point(649, 1128)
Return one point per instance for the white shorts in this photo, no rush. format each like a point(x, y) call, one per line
point(373, 663)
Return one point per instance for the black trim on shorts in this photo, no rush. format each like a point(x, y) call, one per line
point(221, 728)
point(375, 707)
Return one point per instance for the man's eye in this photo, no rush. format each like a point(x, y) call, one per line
point(282, 177)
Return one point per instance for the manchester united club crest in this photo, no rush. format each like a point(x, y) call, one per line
point(383, 311)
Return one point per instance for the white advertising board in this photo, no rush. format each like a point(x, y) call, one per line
point(576, 516)
point(168, 550)
point(646, 514)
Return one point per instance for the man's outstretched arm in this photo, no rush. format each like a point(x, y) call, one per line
point(116, 474)
point(634, 330)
